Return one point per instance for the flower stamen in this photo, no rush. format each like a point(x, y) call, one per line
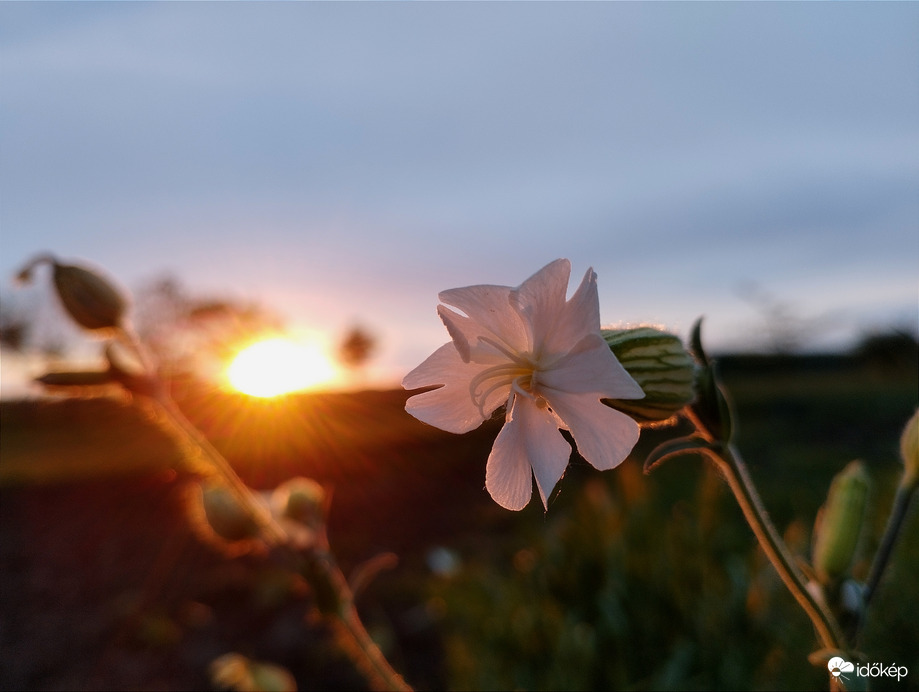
point(504, 374)
point(517, 387)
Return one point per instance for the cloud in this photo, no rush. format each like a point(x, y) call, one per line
point(391, 150)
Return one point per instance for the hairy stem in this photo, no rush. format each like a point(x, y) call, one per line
point(734, 469)
point(366, 655)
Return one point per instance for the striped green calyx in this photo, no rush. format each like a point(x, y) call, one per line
point(839, 524)
point(660, 364)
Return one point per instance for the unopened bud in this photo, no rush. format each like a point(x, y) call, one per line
point(662, 367)
point(240, 673)
point(225, 515)
point(91, 300)
point(909, 450)
point(300, 499)
point(840, 523)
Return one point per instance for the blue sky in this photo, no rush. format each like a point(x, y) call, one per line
point(344, 162)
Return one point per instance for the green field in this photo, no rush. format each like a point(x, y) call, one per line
point(628, 581)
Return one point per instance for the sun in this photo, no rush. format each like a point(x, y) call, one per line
point(280, 366)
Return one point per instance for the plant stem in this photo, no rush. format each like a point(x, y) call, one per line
point(735, 471)
point(185, 430)
point(366, 654)
point(271, 530)
point(353, 637)
point(894, 525)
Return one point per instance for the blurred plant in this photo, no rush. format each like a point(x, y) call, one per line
point(290, 523)
point(237, 672)
point(909, 481)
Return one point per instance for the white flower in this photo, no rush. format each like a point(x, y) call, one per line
point(543, 357)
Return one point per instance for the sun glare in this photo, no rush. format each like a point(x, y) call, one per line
point(280, 366)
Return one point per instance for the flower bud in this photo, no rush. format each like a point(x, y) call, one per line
point(91, 300)
point(840, 523)
point(661, 366)
point(237, 672)
point(300, 499)
point(909, 450)
point(225, 515)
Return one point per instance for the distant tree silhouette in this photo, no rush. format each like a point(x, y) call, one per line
point(14, 327)
point(356, 348)
point(783, 329)
point(197, 335)
point(893, 351)
point(29, 322)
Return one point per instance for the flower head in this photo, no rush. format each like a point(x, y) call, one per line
point(543, 357)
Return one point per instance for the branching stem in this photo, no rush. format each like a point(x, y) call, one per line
point(353, 637)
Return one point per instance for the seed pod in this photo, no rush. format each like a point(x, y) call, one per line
point(840, 524)
point(661, 366)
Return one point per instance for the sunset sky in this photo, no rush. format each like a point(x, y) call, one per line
point(341, 163)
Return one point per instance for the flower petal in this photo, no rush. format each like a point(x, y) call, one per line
point(529, 439)
point(579, 316)
point(541, 299)
point(604, 436)
point(470, 338)
point(590, 367)
point(451, 406)
point(490, 309)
